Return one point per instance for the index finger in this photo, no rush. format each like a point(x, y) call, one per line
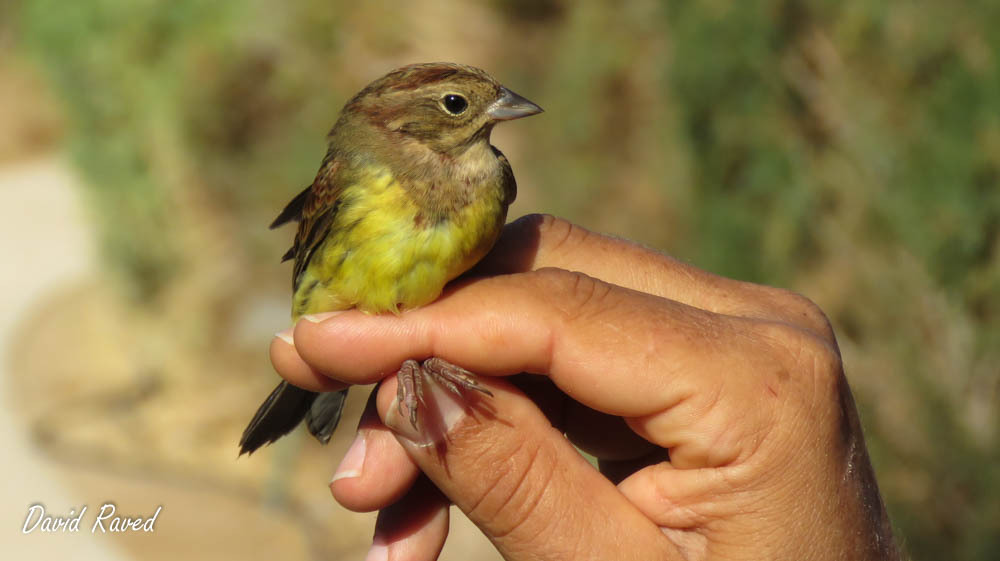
point(677, 372)
point(616, 350)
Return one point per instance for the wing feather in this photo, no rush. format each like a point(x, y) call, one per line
point(293, 210)
point(318, 211)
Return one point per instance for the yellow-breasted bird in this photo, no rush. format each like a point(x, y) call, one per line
point(410, 195)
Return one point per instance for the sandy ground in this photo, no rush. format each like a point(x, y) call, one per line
point(45, 252)
point(58, 250)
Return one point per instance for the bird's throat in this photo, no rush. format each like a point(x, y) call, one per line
point(441, 183)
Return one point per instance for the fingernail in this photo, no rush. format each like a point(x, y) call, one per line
point(452, 408)
point(379, 550)
point(354, 459)
point(320, 318)
point(286, 336)
point(399, 424)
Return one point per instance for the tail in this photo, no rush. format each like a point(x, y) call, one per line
point(285, 408)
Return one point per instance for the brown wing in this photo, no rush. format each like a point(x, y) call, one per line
point(314, 209)
point(509, 183)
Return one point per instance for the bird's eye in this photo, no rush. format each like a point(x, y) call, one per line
point(455, 104)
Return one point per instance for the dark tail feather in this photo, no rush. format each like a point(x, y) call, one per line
point(324, 414)
point(280, 413)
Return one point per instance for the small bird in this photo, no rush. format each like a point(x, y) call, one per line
point(410, 195)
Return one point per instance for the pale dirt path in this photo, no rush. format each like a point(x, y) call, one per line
point(41, 250)
point(46, 246)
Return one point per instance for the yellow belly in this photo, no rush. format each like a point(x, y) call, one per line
point(380, 255)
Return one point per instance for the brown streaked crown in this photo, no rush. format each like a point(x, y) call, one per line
point(423, 74)
point(413, 101)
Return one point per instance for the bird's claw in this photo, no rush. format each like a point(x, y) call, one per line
point(410, 391)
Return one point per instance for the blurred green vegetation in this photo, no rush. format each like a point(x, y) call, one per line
point(849, 150)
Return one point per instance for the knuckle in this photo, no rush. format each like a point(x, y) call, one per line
point(819, 358)
point(573, 294)
point(804, 312)
point(513, 503)
point(809, 358)
point(559, 234)
point(541, 221)
point(802, 347)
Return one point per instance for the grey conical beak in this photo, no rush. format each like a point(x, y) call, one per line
point(511, 106)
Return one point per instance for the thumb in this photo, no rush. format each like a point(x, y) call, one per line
point(518, 478)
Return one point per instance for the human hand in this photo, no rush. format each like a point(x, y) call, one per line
point(718, 411)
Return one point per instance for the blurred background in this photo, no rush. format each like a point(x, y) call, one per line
point(847, 150)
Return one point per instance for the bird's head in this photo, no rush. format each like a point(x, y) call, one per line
point(443, 106)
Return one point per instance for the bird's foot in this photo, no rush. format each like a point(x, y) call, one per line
point(410, 391)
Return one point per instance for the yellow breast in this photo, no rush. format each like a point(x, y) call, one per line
point(383, 254)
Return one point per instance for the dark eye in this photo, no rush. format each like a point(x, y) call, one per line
point(455, 104)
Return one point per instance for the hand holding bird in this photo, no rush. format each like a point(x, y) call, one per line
point(718, 412)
